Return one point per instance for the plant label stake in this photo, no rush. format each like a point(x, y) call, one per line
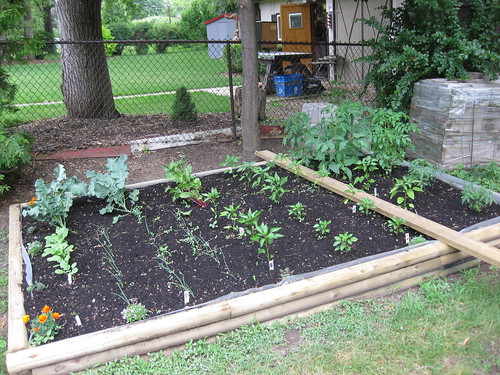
point(354, 209)
point(375, 194)
point(271, 265)
point(186, 297)
point(78, 321)
point(407, 238)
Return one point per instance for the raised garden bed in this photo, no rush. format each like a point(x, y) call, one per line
point(216, 266)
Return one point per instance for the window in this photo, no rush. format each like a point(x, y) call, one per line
point(278, 25)
point(295, 20)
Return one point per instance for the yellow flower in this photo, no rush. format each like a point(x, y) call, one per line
point(26, 319)
point(35, 329)
point(56, 315)
point(42, 318)
point(32, 201)
point(46, 309)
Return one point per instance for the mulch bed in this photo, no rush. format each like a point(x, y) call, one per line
point(93, 296)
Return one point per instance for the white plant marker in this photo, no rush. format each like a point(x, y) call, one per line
point(354, 208)
point(186, 297)
point(78, 321)
point(70, 279)
point(407, 238)
point(375, 194)
point(271, 265)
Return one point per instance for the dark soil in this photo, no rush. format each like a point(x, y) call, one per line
point(64, 133)
point(220, 262)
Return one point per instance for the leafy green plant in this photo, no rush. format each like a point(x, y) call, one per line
point(36, 287)
point(14, 153)
point(35, 248)
point(236, 57)
point(212, 197)
point(428, 39)
point(187, 185)
point(322, 228)
point(338, 143)
point(44, 327)
point(274, 184)
point(344, 241)
point(417, 240)
point(265, 236)
point(298, 211)
point(422, 172)
point(366, 206)
point(487, 175)
point(368, 165)
point(231, 212)
point(134, 312)
point(232, 162)
point(406, 187)
point(183, 108)
point(58, 250)
point(476, 198)
point(250, 220)
point(396, 224)
point(54, 200)
point(111, 187)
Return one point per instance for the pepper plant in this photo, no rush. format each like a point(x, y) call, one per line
point(344, 241)
point(265, 236)
point(322, 228)
point(298, 211)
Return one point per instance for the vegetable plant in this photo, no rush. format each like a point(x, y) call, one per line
point(322, 228)
point(54, 200)
point(367, 165)
point(187, 185)
point(58, 250)
point(212, 196)
point(476, 198)
point(344, 241)
point(265, 236)
point(274, 184)
point(44, 327)
point(366, 206)
point(405, 188)
point(396, 224)
point(231, 212)
point(134, 312)
point(250, 220)
point(111, 187)
point(298, 211)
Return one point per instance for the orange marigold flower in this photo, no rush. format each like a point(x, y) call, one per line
point(56, 315)
point(42, 318)
point(46, 309)
point(26, 319)
point(32, 201)
point(35, 329)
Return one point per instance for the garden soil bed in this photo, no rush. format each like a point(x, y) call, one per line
point(212, 262)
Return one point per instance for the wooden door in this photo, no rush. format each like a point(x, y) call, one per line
point(296, 26)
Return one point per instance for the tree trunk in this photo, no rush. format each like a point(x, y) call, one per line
point(250, 94)
point(86, 85)
point(48, 27)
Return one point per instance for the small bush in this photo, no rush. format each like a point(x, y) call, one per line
point(121, 31)
point(183, 108)
point(236, 57)
point(108, 47)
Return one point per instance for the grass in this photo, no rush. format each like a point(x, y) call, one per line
point(157, 104)
point(446, 327)
point(130, 75)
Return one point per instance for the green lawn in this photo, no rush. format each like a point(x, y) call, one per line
point(130, 75)
point(446, 327)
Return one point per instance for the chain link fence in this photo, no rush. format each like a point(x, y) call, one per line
point(144, 76)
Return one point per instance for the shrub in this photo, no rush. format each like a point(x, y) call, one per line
point(14, 153)
point(108, 47)
point(183, 108)
point(163, 30)
point(236, 57)
point(121, 31)
point(141, 29)
point(428, 39)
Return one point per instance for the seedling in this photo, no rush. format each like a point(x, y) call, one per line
point(250, 220)
point(344, 241)
point(265, 237)
point(298, 211)
point(396, 224)
point(366, 206)
point(231, 212)
point(407, 186)
point(274, 184)
point(321, 228)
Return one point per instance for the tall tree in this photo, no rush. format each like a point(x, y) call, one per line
point(86, 85)
point(250, 93)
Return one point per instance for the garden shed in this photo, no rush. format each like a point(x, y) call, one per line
point(222, 27)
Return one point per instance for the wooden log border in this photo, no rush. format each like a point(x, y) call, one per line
point(366, 279)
